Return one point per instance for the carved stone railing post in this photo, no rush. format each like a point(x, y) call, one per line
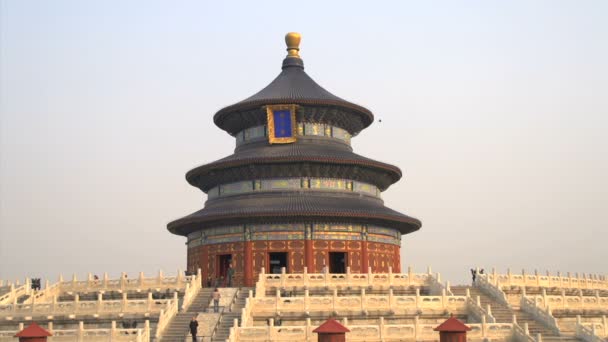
point(348, 275)
point(335, 299)
point(283, 276)
point(409, 275)
point(362, 299)
point(416, 327)
point(123, 303)
point(113, 334)
point(180, 278)
point(123, 280)
point(308, 329)
point(76, 303)
point(99, 302)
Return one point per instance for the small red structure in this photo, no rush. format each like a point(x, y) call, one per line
point(33, 333)
point(331, 331)
point(452, 330)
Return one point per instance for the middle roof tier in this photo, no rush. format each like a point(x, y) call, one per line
point(303, 159)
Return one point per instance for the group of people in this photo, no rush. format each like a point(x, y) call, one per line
point(35, 285)
point(221, 281)
point(474, 273)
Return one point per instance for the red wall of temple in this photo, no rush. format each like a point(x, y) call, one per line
point(380, 256)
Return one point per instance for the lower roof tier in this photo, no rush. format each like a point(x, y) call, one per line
point(293, 160)
point(285, 207)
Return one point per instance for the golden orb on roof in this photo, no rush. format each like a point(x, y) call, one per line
point(292, 39)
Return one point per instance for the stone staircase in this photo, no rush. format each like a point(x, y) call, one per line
point(504, 314)
point(178, 330)
point(228, 317)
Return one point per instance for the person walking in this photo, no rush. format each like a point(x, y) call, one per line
point(193, 328)
point(216, 300)
point(230, 274)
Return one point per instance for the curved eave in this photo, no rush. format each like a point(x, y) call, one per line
point(193, 175)
point(186, 225)
point(296, 208)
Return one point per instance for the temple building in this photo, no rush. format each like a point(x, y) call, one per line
point(293, 194)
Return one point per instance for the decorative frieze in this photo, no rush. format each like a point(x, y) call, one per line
point(282, 184)
point(258, 133)
point(293, 231)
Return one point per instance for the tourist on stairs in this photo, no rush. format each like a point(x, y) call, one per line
point(216, 300)
point(193, 328)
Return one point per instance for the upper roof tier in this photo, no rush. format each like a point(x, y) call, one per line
point(293, 86)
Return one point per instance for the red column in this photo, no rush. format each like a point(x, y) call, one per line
point(248, 264)
point(397, 262)
point(364, 257)
point(204, 263)
point(309, 257)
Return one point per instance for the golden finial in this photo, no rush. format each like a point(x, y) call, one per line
point(292, 39)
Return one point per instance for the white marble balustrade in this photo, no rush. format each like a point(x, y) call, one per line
point(570, 302)
point(368, 332)
point(193, 287)
point(166, 315)
point(588, 333)
point(584, 281)
point(15, 291)
point(99, 306)
point(88, 335)
point(358, 303)
point(333, 280)
point(123, 283)
point(141, 283)
point(596, 328)
point(540, 314)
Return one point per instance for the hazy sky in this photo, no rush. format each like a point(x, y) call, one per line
point(496, 111)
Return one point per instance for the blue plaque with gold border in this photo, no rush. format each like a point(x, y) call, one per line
point(281, 123)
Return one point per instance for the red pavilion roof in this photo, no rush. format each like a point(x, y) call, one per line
point(33, 330)
point(331, 326)
point(452, 325)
